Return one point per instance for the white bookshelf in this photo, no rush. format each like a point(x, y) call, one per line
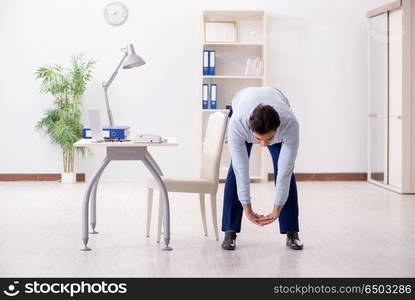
point(215, 110)
point(232, 77)
point(230, 73)
point(233, 44)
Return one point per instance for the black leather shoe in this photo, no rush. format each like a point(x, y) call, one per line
point(293, 241)
point(229, 243)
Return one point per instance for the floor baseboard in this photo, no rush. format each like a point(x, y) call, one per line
point(326, 176)
point(80, 177)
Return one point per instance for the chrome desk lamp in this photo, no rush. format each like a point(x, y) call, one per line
point(129, 60)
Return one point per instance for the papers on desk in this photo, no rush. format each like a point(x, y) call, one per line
point(148, 138)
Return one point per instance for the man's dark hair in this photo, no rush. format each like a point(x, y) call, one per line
point(264, 119)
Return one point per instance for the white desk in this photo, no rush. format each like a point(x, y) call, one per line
point(124, 151)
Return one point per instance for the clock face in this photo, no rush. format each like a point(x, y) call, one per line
point(115, 13)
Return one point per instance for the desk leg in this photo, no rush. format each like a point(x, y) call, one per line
point(94, 206)
point(85, 203)
point(165, 200)
point(153, 163)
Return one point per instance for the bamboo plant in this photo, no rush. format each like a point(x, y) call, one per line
point(62, 122)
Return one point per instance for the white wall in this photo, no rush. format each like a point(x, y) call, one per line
point(317, 56)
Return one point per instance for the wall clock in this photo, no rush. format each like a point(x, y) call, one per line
point(115, 13)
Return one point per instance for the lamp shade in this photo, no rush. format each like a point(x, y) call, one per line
point(132, 60)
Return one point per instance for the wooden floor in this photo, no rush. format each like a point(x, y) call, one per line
point(348, 229)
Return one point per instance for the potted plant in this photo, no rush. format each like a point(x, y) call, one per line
point(62, 122)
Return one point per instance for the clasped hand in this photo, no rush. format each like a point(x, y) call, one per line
point(261, 220)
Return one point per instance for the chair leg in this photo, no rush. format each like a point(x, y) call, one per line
point(160, 219)
point(203, 211)
point(214, 215)
point(149, 208)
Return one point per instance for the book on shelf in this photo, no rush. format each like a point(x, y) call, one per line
point(213, 96)
point(209, 62)
point(205, 62)
point(212, 62)
point(205, 96)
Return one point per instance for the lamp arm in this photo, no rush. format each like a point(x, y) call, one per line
point(109, 113)
point(106, 84)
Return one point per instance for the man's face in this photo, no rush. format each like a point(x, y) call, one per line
point(264, 139)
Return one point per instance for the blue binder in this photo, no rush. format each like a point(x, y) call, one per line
point(205, 96)
point(213, 96)
point(109, 132)
point(205, 62)
point(212, 62)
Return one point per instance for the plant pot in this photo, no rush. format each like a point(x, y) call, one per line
point(68, 177)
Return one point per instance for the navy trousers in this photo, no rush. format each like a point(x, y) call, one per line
point(232, 208)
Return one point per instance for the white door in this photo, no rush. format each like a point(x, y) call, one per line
point(378, 94)
point(395, 98)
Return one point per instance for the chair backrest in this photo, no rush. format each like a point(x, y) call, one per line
point(212, 147)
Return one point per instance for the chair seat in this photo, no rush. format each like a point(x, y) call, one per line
point(184, 185)
point(206, 182)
